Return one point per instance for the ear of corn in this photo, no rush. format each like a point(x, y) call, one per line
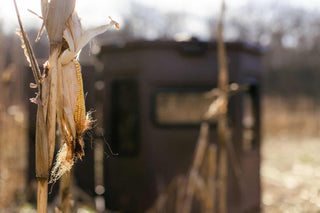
point(81, 121)
point(80, 110)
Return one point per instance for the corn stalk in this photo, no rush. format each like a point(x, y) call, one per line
point(65, 195)
point(42, 154)
point(226, 148)
point(223, 130)
point(193, 177)
point(60, 91)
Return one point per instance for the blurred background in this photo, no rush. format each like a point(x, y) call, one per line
point(285, 33)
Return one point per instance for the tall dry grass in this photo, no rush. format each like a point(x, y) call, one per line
point(290, 165)
point(13, 140)
point(297, 117)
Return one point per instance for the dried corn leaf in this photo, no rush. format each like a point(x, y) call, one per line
point(68, 89)
point(77, 38)
point(59, 11)
point(42, 159)
point(52, 101)
point(44, 11)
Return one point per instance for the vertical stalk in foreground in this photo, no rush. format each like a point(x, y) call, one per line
point(42, 155)
point(212, 166)
point(46, 83)
point(56, 14)
point(202, 144)
point(223, 130)
point(42, 195)
point(65, 195)
point(60, 92)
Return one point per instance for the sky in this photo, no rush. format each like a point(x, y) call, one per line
point(96, 12)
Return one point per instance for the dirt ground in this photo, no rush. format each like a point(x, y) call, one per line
point(290, 174)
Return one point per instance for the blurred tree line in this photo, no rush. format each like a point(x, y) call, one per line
point(290, 36)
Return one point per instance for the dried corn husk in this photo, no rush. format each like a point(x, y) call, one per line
point(72, 117)
point(56, 13)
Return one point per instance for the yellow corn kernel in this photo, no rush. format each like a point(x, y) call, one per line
point(80, 110)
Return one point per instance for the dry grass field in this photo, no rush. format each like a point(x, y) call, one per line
point(290, 167)
point(13, 139)
point(13, 155)
point(290, 175)
point(290, 170)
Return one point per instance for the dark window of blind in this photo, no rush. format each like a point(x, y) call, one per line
point(251, 118)
point(248, 122)
point(125, 116)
